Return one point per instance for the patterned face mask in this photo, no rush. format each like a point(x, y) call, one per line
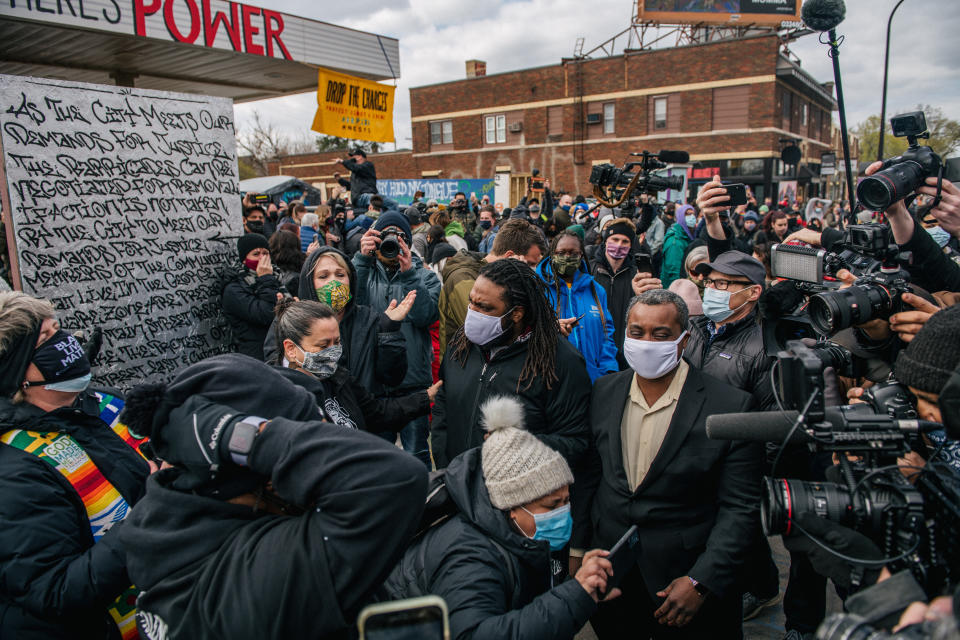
point(336, 294)
point(322, 364)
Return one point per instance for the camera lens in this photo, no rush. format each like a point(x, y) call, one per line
point(833, 311)
point(390, 246)
point(882, 189)
point(782, 501)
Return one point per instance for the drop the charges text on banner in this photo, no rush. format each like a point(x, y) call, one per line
point(355, 108)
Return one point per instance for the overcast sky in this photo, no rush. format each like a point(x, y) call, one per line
point(437, 36)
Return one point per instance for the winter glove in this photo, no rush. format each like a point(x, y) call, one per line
point(196, 438)
point(849, 576)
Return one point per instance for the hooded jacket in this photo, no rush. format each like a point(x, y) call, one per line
point(374, 348)
point(248, 302)
point(558, 416)
point(675, 243)
point(459, 274)
point(55, 583)
point(213, 569)
point(346, 403)
point(487, 600)
point(376, 287)
point(363, 178)
point(593, 335)
point(454, 234)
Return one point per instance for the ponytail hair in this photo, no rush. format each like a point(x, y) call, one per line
point(295, 318)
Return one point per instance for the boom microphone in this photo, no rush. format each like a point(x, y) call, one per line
point(823, 15)
point(678, 157)
point(773, 426)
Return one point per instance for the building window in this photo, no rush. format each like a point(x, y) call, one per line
point(659, 113)
point(555, 121)
point(786, 108)
point(496, 127)
point(803, 114)
point(608, 117)
point(441, 132)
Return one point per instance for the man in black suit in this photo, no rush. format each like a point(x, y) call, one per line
point(695, 500)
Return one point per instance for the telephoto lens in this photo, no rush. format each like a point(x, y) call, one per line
point(882, 189)
point(783, 500)
point(833, 311)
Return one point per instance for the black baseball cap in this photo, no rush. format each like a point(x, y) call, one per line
point(358, 152)
point(735, 263)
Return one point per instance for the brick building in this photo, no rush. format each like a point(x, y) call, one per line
point(731, 105)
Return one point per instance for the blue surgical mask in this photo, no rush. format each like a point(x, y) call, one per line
point(939, 235)
point(716, 304)
point(691, 220)
point(70, 386)
point(554, 526)
point(565, 207)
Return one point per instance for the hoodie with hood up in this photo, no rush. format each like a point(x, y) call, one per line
point(374, 348)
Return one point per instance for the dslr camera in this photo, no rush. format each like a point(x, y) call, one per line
point(901, 175)
point(390, 242)
point(612, 185)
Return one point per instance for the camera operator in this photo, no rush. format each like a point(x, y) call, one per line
point(363, 175)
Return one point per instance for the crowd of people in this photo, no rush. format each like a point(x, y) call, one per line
point(553, 365)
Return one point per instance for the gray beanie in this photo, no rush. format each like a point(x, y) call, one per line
point(517, 467)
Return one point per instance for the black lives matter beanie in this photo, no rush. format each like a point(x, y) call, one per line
point(933, 354)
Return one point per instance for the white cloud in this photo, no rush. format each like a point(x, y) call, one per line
point(437, 36)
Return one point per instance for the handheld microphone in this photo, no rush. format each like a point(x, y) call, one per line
point(823, 15)
point(773, 426)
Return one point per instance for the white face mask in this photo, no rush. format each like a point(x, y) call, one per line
point(652, 359)
point(482, 329)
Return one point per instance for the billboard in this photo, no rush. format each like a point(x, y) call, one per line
point(760, 12)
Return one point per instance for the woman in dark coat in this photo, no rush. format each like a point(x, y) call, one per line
point(374, 350)
point(250, 291)
point(310, 337)
point(69, 473)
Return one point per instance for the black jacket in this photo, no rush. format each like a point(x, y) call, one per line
point(698, 506)
point(248, 303)
point(737, 356)
point(347, 403)
point(55, 583)
point(619, 290)
point(557, 416)
point(363, 178)
point(212, 569)
point(487, 599)
point(374, 349)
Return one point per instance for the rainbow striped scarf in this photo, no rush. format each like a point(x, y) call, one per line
point(104, 504)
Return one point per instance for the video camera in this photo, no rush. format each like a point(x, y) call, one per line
point(812, 304)
point(901, 175)
point(612, 185)
point(915, 524)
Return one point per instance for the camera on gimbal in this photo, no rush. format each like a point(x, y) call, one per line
point(901, 175)
point(612, 185)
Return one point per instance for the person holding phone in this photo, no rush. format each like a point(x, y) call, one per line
point(495, 560)
point(580, 304)
point(694, 500)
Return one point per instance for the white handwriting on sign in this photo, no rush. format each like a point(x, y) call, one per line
point(125, 208)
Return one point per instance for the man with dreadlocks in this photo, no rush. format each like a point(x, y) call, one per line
point(510, 344)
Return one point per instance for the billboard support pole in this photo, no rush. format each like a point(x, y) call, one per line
point(835, 57)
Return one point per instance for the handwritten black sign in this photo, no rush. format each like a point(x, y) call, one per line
point(125, 209)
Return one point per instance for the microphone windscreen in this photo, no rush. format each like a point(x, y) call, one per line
point(823, 15)
point(760, 426)
point(666, 155)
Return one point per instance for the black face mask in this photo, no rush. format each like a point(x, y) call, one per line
point(255, 226)
point(61, 358)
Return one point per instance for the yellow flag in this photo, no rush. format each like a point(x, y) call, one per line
point(351, 107)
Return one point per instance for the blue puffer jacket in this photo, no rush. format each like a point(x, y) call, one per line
point(593, 335)
point(307, 235)
point(376, 288)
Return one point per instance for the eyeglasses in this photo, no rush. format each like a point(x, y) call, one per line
point(722, 285)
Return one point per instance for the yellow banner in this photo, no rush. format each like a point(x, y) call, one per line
point(355, 108)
